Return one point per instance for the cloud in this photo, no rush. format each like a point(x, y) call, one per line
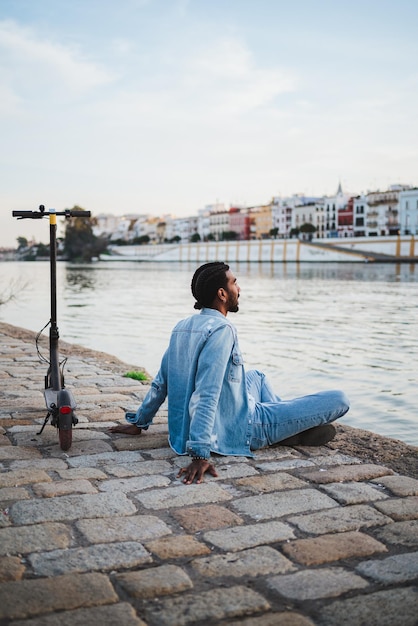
point(31, 63)
point(231, 80)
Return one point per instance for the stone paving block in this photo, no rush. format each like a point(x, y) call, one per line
point(400, 508)
point(336, 458)
point(354, 493)
point(287, 464)
point(67, 508)
point(399, 485)
point(249, 536)
point(164, 452)
point(278, 504)
point(253, 562)
point(63, 487)
point(98, 557)
point(399, 533)
point(50, 436)
point(13, 493)
point(315, 584)
point(9, 453)
point(394, 607)
point(183, 495)
point(276, 453)
point(145, 442)
point(130, 528)
point(11, 568)
point(271, 482)
point(49, 465)
point(139, 469)
point(177, 547)
point(26, 598)
point(340, 520)
point(399, 568)
point(327, 548)
point(110, 615)
point(234, 470)
point(79, 448)
point(82, 473)
point(104, 459)
point(137, 483)
point(34, 538)
point(16, 478)
point(155, 582)
point(346, 473)
point(4, 441)
point(216, 604)
point(195, 519)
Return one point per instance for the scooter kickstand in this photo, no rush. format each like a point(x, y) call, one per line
point(48, 415)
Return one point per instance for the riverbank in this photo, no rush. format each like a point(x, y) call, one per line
point(106, 533)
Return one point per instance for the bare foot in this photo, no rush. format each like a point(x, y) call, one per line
point(126, 429)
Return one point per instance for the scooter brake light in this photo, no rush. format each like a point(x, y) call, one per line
point(65, 409)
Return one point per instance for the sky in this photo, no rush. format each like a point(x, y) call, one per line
point(166, 106)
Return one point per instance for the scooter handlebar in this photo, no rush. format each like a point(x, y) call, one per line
point(80, 213)
point(37, 215)
point(31, 214)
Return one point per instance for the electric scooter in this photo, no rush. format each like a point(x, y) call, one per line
point(59, 401)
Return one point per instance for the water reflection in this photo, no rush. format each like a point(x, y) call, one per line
point(328, 271)
point(80, 278)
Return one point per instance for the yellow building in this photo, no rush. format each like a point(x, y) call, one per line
point(261, 221)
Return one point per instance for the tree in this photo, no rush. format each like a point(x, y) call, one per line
point(274, 232)
point(80, 243)
point(307, 228)
point(229, 235)
point(307, 231)
point(22, 242)
point(12, 290)
point(195, 238)
point(139, 241)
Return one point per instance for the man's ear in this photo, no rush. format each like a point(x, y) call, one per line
point(222, 294)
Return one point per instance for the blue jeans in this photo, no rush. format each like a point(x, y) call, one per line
point(275, 419)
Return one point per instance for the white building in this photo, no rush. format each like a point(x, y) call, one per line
point(359, 216)
point(333, 204)
point(203, 227)
point(383, 211)
point(281, 214)
point(218, 220)
point(408, 212)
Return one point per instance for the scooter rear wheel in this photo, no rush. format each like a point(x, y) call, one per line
point(66, 438)
point(65, 419)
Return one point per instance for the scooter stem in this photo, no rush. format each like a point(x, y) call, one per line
point(53, 331)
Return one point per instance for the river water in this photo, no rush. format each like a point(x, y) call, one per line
point(307, 326)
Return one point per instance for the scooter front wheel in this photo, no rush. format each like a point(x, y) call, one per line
point(65, 419)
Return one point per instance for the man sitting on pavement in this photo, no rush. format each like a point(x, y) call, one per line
point(214, 406)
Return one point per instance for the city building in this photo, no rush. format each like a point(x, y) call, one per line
point(408, 211)
point(359, 216)
point(261, 221)
point(383, 211)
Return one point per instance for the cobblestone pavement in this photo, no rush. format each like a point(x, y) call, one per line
point(107, 534)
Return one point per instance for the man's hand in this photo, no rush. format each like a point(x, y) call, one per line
point(196, 469)
point(126, 429)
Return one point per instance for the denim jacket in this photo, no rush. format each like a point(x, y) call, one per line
point(202, 373)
